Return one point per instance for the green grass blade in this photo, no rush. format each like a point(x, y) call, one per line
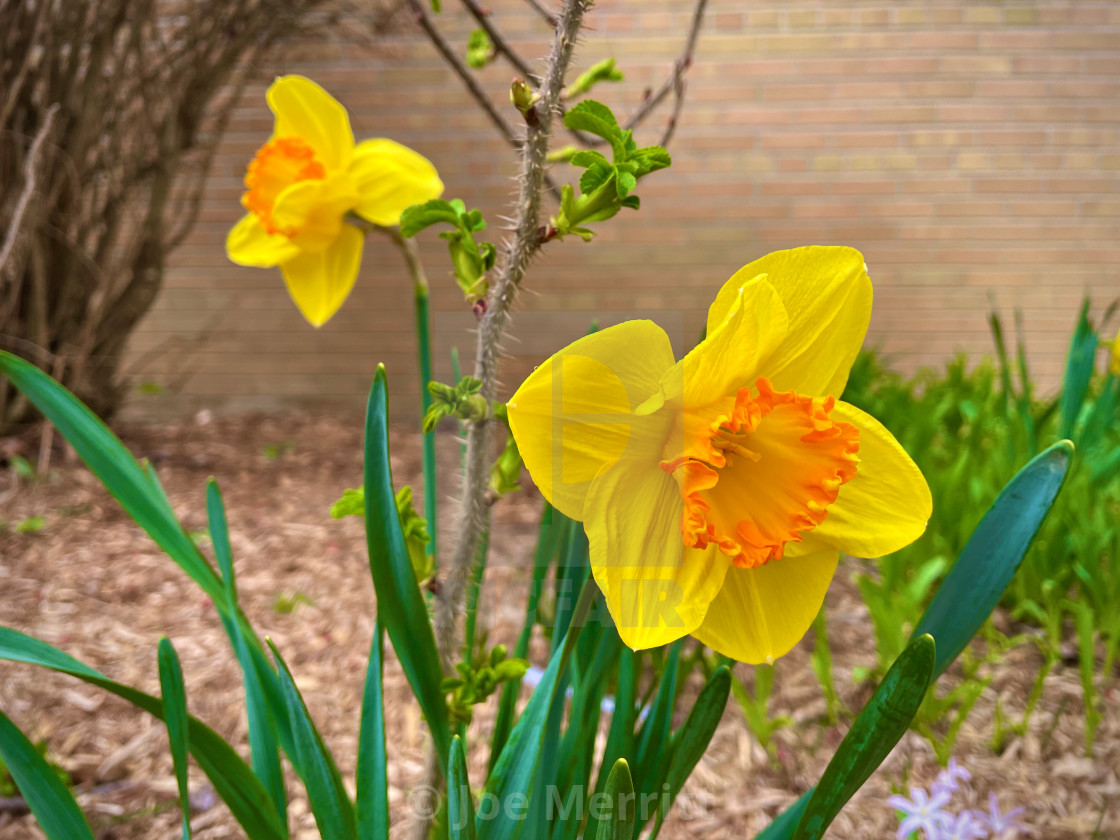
point(46, 796)
point(883, 721)
point(693, 737)
point(175, 710)
point(400, 605)
point(110, 461)
point(1079, 370)
point(264, 752)
point(622, 807)
point(994, 552)
point(330, 804)
point(372, 774)
point(233, 781)
point(460, 805)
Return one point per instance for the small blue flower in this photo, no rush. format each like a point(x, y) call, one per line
point(999, 823)
point(949, 779)
point(922, 812)
point(964, 826)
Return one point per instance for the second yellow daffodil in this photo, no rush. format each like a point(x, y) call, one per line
point(717, 492)
point(304, 182)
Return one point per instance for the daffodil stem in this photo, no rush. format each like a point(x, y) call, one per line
point(411, 256)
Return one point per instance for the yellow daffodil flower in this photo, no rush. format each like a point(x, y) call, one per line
point(1114, 358)
point(302, 184)
point(717, 492)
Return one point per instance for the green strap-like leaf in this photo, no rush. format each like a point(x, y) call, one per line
point(883, 721)
point(620, 821)
point(135, 489)
point(693, 737)
point(175, 709)
point(978, 579)
point(138, 491)
point(233, 781)
point(460, 805)
point(1079, 370)
point(994, 552)
point(46, 796)
point(372, 775)
point(400, 605)
point(256, 673)
point(330, 804)
point(652, 752)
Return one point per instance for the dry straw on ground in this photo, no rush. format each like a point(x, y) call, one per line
point(94, 585)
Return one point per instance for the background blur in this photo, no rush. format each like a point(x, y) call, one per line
point(971, 150)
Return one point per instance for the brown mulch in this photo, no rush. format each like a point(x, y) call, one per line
point(91, 583)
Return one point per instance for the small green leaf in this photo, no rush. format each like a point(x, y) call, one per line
point(625, 183)
point(603, 71)
point(47, 798)
point(480, 49)
point(589, 157)
point(352, 502)
point(175, 709)
point(596, 118)
point(420, 216)
point(649, 159)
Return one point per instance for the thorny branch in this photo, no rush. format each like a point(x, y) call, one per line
point(473, 87)
point(673, 84)
point(519, 252)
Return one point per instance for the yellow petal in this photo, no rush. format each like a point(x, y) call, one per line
point(305, 110)
point(320, 281)
point(656, 589)
point(390, 178)
point(313, 212)
point(572, 417)
point(248, 244)
point(760, 614)
point(886, 506)
point(735, 349)
point(827, 294)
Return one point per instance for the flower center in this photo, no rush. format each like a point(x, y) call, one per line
point(756, 472)
point(279, 164)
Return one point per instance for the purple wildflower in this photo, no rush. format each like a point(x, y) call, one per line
point(922, 811)
point(999, 823)
point(948, 780)
point(964, 826)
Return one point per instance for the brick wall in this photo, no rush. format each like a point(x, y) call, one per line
point(971, 150)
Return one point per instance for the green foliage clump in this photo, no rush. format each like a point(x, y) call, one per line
point(969, 427)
